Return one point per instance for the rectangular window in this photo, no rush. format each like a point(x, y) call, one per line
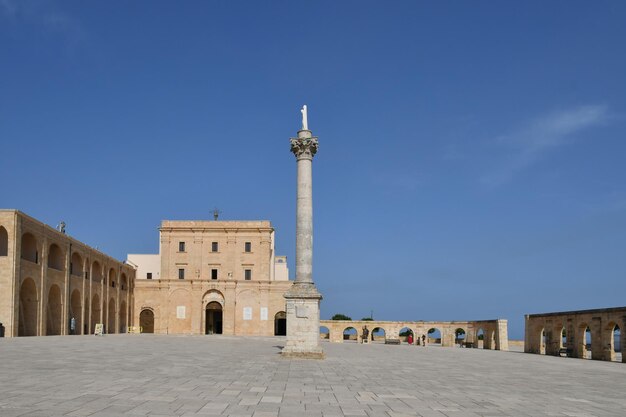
point(181, 274)
point(214, 247)
point(149, 275)
point(181, 246)
point(248, 274)
point(248, 247)
point(213, 273)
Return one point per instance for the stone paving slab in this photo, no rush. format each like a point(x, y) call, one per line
point(155, 375)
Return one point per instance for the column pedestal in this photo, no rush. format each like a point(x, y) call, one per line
point(303, 326)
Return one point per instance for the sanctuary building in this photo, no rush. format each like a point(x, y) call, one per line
point(212, 277)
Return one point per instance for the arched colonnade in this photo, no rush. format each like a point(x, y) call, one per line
point(488, 334)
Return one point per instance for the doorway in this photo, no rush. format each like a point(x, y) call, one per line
point(213, 318)
point(280, 324)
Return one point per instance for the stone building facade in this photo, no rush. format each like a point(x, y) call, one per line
point(53, 284)
point(216, 277)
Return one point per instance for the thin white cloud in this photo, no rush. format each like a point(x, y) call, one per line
point(542, 135)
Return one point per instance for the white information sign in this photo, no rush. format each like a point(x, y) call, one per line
point(180, 312)
point(247, 313)
point(264, 313)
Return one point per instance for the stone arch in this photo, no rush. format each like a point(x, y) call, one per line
point(76, 311)
point(324, 333)
point(76, 265)
point(542, 341)
point(86, 319)
point(123, 282)
point(213, 318)
point(280, 324)
point(407, 335)
point(213, 295)
point(209, 318)
point(54, 320)
point(4, 242)
point(29, 248)
point(434, 336)
point(112, 277)
point(460, 336)
point(122, 318)
point(480, 338)
point(562, 336)
point(111, 328)
point(95, 312)
point(350, 334)
point(56, 258)
point(146, 320)
point(96, 272)
point(378, 334)
point(27, 323)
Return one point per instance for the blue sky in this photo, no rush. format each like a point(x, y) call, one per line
point(471, 161)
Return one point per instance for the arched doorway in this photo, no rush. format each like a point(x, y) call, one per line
point(146, 321)
point(75, 312)
point(86, 319)
point(95, 312)
point(111, 320)
point(213, 318)
point(4, 242)
point(123, 317)
point(27, 325)
point(280, 324)
point(53, 312)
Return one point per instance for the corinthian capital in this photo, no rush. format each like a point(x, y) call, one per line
point(304, 147)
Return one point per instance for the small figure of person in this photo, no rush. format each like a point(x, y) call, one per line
point(366, 334)
point(423, 340)
point(72, 325)
point(409, 339)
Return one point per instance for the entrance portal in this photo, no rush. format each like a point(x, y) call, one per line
point(146, 321)
point(280, 324)
point(213, 318)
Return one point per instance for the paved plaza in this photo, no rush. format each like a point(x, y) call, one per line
point(136, 375)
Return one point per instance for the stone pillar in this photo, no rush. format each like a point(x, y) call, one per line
point(303, 299)
point(502, 335)
point(597, 351)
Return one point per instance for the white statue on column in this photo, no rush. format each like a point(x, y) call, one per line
point(305, 121)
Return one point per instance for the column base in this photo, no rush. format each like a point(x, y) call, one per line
point(303, 323)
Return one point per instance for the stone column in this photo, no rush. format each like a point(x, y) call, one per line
point(303, 299)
